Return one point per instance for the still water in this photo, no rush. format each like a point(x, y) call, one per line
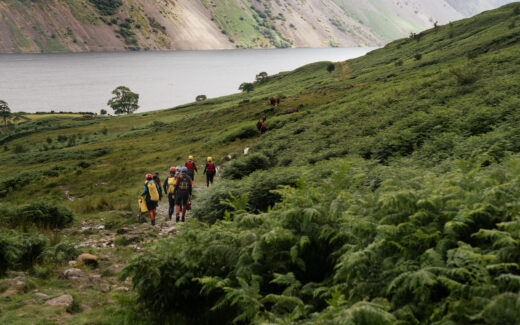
point(84, 81)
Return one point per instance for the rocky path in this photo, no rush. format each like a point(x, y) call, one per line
point(89, 281)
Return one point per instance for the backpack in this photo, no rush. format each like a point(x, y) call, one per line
point(211, 167)
point(152, 190)
point(183, 183)
point(190, 166)
point(171, 184)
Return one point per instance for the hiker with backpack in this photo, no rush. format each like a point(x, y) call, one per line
point(151, 196)
point(192, 168)
point(183, 188)
point(210, 170)
point(157, 181)
point(169, 190)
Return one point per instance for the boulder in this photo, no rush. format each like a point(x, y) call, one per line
point(88, 259)
point(104, 287)
point(16, 281)
point(41, 296)
point(61, 301)
point(74, 274)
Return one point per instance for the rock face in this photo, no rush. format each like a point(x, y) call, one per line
point(41, 296)
point(88, 259)
point(61, 301)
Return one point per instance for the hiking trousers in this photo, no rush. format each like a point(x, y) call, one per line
point(209, 178)
point(171, 202)
point(191, 174)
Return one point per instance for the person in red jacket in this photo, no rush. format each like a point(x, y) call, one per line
point(259, 125)
point(210, 170)
point(192, 168)
point(263, 129)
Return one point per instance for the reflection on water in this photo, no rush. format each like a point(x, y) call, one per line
point(84, 81)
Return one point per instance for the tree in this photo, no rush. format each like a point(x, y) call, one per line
point(124, 101)
point(201, 98)
point(246, 86)
point(5, 111)
point(331, 67)
point(261, 77)
point(103, 111)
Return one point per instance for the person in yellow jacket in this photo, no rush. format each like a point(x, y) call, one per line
point(151, 196)
point(169, 190)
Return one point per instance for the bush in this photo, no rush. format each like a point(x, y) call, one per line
point(246, 165)
point(465, 75)
point(20, 250)
point(43, 214)
point(107, 7)
point(59, 253)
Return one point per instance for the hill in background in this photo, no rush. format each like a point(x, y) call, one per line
point(114, 25)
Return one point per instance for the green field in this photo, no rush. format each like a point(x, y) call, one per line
point(390, 197)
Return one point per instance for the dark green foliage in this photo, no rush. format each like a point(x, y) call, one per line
point(465, 75)
point(60, 253)
point(107, 7)
point(246, 165)
point(19, 250)
point(40, 213)
point(331, 67)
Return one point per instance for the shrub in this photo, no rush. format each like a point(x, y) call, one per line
point(201, 98)
point(331, 67)
point(418, 56)
point(43, 214)
point(19, 149)
point(107, 7)
point(20, 250)
point(465, 75)
point(246, 165)
point(59, 253)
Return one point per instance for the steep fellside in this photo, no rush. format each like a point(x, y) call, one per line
point(115, 25)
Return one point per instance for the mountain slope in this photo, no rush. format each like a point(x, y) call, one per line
point(389, 194)
point(110, 25)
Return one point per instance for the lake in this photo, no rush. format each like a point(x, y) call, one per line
point(84, 81)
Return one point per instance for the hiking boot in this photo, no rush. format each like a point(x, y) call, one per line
point(153, 222)
point(182, 219)
point(176, 218)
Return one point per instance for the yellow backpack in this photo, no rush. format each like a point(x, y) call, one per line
point(171, 184)
point(152, 189)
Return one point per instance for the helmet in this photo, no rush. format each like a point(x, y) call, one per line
point(173, 169)
point(184, 169)
point(190, 157)
point(210, 159)
point(149, 176)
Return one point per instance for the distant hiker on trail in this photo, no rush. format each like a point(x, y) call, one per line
point(273, 101)
point(157, 181)
point(169, 189)
point(278, 101)
point(259, 125)
point(192, 168)
point(183, 188)
point(264, 118)
point(151, 195)
point(210, 171)
point(263, 129)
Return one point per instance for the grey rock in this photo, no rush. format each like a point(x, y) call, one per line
point(41, 296)
point(73, 274)
point(61, 301)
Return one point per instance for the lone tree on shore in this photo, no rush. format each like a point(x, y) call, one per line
point(103, 111)
point(246, 86)
point(201, 98)
point(5, 111)
point(124, 101)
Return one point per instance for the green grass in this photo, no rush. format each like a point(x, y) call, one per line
point(22, 41)
point(398, 176)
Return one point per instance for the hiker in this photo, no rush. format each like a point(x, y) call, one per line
point(190, 164)
point(273, 101)
point(157, 181)
point(169, 190)
point(210, 171)
point(263, 119)
point(278, 101)
point(183, 187)
point(263, 129)
point(259, 125)
point(151, 195)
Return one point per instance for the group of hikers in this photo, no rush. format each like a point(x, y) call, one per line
point(177, 186)
point(260, 125)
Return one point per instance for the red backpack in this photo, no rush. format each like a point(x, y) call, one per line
point(211, 167)
point(190, 166)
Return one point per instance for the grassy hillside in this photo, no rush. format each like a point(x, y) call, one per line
point(389, 197)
